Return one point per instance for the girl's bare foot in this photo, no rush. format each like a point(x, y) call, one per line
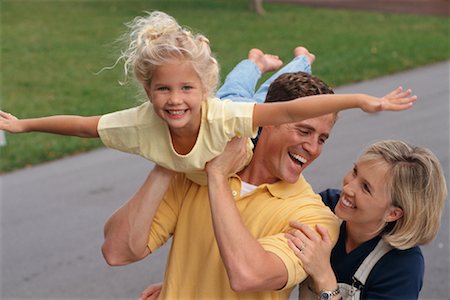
point(265, 62)
point(303, 51)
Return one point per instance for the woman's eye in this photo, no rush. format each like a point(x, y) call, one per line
point(366, 188)
point(187, 88)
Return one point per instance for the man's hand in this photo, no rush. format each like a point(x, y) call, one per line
point(231, 160)
point(151, 292)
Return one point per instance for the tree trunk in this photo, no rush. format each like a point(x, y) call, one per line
point(256, 5)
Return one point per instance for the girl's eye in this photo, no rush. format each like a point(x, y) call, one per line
point(162, 88)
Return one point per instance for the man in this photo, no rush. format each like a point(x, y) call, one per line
point(228, 237)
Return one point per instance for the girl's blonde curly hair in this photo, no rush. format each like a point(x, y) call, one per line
point(157, 39)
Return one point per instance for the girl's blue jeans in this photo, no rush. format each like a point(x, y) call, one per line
point(240, 83)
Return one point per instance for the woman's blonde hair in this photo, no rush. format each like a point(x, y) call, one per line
point(416, 184)
point(158, 39)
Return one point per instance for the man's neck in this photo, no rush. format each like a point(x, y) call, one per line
point(256, 174)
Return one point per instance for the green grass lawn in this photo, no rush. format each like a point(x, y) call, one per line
point(51, 52)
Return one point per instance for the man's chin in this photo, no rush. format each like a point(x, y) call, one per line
point(292, 177)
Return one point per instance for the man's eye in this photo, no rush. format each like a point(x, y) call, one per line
point(303, 132)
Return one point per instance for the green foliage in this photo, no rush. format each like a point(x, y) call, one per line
point(52, 52)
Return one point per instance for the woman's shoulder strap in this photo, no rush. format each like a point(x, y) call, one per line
point(366, 267)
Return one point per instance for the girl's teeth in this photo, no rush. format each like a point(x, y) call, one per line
point(176, 112)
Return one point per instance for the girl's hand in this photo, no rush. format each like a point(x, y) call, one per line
point(312, 248)
point(397, 100)
point(9, 123)
point(151, 292)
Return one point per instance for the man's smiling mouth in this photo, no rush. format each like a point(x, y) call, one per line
point(298, 159)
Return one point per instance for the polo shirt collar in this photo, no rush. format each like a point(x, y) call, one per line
point(285, 190)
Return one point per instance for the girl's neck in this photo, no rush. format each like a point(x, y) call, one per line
point(184, 139)
point(183, 142)
point(358, 234)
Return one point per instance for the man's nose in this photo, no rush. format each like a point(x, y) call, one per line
point(312, 146)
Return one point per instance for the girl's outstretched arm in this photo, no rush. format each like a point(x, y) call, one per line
point(278, 113)
point(65, 125)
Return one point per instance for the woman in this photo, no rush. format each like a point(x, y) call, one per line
point(391, 202)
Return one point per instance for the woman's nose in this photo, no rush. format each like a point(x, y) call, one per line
point(347, 183)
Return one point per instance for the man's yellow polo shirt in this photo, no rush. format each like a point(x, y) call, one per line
point(195, 269)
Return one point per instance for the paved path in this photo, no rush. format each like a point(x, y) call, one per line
point(52, 215)
point(416, 7)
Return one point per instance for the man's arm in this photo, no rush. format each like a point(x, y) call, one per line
point(249, 266)
point(127, 230)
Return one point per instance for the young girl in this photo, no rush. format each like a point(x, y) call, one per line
point(183, 126)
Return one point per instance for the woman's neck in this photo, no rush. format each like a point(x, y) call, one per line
point(357, 234)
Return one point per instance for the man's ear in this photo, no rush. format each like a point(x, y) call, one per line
point(393, 214)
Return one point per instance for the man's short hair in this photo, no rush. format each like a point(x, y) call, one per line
point(289, 86)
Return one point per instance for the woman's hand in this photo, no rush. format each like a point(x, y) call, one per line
point(151, 292)
point(314, 250)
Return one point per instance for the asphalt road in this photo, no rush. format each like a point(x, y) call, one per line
point(414, 7)
point(52, 215)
